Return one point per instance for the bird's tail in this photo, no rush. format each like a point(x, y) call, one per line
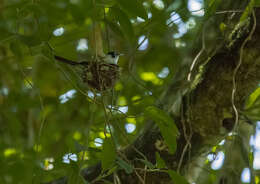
point(70, 62)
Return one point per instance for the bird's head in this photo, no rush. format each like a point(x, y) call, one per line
point(112, 57)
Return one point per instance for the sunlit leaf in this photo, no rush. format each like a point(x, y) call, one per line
point(252, 98)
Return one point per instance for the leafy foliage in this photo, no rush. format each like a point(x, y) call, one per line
point(51, 124)
point(166, 125)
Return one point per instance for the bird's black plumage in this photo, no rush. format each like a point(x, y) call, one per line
point(67, 61)
point(113, 54)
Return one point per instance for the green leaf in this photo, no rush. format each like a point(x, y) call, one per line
point(108, 154)
point(124, 165)
point(113, 169)
point(114, 27)
point(133, 7)
point(30, 41)
point(174, 5)
point(247, 11)
point(43, 32)
point(46, 51)
point(107, 182)
point(159, 161)
point(257, 3)
point(16, 48)
point(211, 7)
point(124, 22)
point(252, 98)
point(166, 125)
point(77, 13)
point(222, 27)
point(176, 178)
point(147, 163)
point(79, 147)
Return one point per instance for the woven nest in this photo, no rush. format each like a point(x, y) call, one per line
point(100, 76)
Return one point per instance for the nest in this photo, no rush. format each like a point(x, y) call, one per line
point(100, 76)
point(97, 74)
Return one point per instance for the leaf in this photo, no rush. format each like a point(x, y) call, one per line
point(243, 150)
point(174, 5)
point(222, 27)
point(176, 178)
point(252, 98)
point(114, 27)
point(46, 51)
point(159, 161)
point(166, 125)
point(113, 169)
point(133, 7)
point(124, 165)
point(43, 32)
point(29, 40)
point(147, 163)
point(257, 3)
point(108, 154)
point(124, 22)
point(247, 11)
point(211, 7)
point(107, 182)
point(16, 48)
point(79, 147)
point(77, 13)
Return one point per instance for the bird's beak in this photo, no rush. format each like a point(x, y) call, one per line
point(120, 54)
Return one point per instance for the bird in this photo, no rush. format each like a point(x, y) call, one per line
point(99, 74)
point(112, 57)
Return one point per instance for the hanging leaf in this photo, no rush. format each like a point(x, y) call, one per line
point(166, 125)
point(30, 41)
point(108, 154)
point(124, 22)
point(176, 178)
point(16, 48)
point(211, 7)
point(247, 11)
point(252, 98)
point(46, 51)
point(114, 27)
point(133, 7)
point(147, 163)
point(159, 161)
point(124, 165)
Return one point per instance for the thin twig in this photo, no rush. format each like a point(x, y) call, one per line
point(145, 168)
point(140, 178)
point(228, 11)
